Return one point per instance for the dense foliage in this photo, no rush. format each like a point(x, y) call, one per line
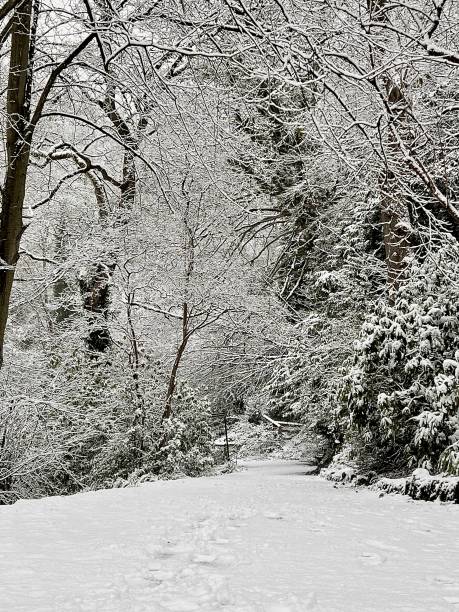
point(402, 391)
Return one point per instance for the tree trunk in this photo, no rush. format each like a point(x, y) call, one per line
point(6, 479)
point(396, 228)
point(128, 187)
point(18, 137)
point(95, 289)
point(139, 402)
point(61, 286)
point(178, 358)
point(395, 217)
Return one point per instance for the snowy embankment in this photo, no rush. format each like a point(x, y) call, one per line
point(420, 485)
point(263, 540)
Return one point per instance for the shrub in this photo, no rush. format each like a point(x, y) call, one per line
point(401, 394)
point(185, 439)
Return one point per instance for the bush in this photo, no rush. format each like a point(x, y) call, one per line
point(185, 440)
point(92, 421)
point(401, 394)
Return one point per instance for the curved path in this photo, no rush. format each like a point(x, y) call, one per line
point(266, 539)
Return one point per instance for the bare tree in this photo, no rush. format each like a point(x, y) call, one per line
point(22, 117)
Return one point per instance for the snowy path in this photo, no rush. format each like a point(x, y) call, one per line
point(264, 540)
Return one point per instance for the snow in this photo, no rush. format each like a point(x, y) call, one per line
point(267, 539)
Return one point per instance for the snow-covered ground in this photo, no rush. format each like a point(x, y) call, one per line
point(268, 539)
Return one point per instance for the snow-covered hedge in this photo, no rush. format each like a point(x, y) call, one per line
point(421, 485)
point(402, 393)
point(339, 472)
point(344, 469)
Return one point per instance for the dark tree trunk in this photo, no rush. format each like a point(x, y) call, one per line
point(175, 366)
point(128, 187)
point(6, 480)
point(18, 137)
point(95, 289)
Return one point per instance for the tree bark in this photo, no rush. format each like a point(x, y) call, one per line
point(18, 139)
point(395, 216)
point(175, 366)
point(20, 126)
point(396, 226)
point(95, 289)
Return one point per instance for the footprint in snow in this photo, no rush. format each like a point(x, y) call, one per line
point(372, 559)
point(454, 601)
point(384, 546)
point(158, 575)
point(446, 581)
point(275, 516)
point(167, 550)
point(204, 559)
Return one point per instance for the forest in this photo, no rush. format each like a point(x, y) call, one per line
point(223, 208)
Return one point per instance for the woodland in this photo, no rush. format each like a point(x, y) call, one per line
point(225, 207)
